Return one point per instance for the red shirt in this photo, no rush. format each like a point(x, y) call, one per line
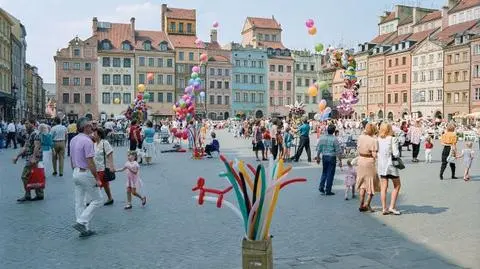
point(266, 135)
point(428, 145)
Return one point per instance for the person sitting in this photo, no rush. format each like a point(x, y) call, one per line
point(213, 146)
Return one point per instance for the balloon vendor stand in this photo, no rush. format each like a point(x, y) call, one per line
point(256, 190)
point(197, 150)
point(296, 112)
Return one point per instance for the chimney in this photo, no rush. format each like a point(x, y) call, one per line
point(415, 15)
point(132, 25)
point(444, 17)
point(94, 25)
point(213, 35)
point(164, 13)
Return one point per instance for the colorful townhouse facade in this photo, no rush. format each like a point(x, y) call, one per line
point(361, 57)
point(7, 101)
point(307, 70)
point(475, 75)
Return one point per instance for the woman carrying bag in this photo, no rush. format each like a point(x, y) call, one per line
point(104, 162)
point(449, 142)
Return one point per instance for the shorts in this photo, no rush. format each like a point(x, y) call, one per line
point(267, 144)
point(389, 177)
point(258, 146)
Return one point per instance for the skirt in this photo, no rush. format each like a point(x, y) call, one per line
point(149, 149)
point(367, 177)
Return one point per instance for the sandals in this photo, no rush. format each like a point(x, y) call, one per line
point(363, 209)
point(394, 212)
point(144, 200)
point(128, 206)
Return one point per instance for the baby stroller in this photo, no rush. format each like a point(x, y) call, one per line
point(349, 146)
point(164, 135)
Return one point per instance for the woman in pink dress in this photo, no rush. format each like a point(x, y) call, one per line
point(133, 179)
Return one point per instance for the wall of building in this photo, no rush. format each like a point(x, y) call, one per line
point(306, 73)
point(475, 76)
point(397, 85)
point(376, 86)
point(280, 87)
point(457, 80)
point(362, 77)
point(218, 90)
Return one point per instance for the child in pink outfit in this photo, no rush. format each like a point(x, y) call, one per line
point(133, 179)
point(350, 179)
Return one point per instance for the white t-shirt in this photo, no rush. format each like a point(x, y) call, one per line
point(99, 162)
point(11, 128)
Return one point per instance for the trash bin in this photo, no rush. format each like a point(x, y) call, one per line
point(257, 254)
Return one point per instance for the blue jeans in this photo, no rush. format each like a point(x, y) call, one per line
point(328, 172)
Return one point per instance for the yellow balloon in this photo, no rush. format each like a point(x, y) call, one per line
point(141, 88)
point(312, 91)
point(116, 101)
point(312, 31)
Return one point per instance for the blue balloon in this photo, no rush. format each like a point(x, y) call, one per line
point(199, 80)
point(196, 84)
point(191, 81)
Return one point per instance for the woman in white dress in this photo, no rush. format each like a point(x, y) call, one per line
point(387, 148)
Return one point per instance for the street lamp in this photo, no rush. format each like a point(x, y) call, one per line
point(14, 91)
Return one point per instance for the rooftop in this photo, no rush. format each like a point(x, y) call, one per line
point(180, 13)
point(156, 37)
point(264, 23)
point(380, 39)
point(406, 20)
point(116, 34)
point(182, 41)
point(390, 17)
point(447, 35)
point(271, 44)
point(437, 15)
point(463, 4)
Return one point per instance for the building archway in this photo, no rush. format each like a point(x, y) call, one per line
point(380, 114)
point(212, 115)
point(404, 115)
point(438, 115)
point(259, 114)
point(390, 115)
point(226, 115)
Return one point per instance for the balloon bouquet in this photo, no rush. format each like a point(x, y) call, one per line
point(344, 59)
point(186, 106)
point(138, 110)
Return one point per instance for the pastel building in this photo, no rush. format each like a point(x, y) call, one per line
point(361, 57)
point(76, 79)
point(249, 81)
point(266, 33)
point(155, 68)
point(115, 66)
point(376, 83)
point(475, 77)
point(7, 101)
point(307, 69)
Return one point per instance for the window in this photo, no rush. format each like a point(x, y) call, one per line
point(151, 62)
point(189, 27)
point(237, 78)
point(260, 79)
point(245, 79)
point(212, 84)
point(147, 45)
point(169, 82)
point(66, 98)
point(422, 76)
point(299, 82)
point(116, 80)
point(415, 61)
point(280, 101)
point(116, 62)
point(65, 81)
point(396, 61)
point(105, 79)
point(465, 56)
point(390, 63)
point(227, 100)
point(405, 97)
point(173, 27)
point(312, 67)
point(190, 56)
point(88, 98)
point(272, 68)
point(307, 99)
point(449, 77)
point(219, 72)
point(389, 80)
point(457, 76)
point(212, 71)
point(260, 97)
point(127, 62)
point(439, 74)
point(219, 99)
point(245, 63)
point(181, 83)
point(76, 52)
point(254, 64)
point(76, 66)
point(272, 85)
point(430, 58)
point(430, 95)
point(404, 60)
point(389, 98)
point(245, 97)
point(227, 85)
point(106, 98)
point(477, 94)
point(307, 82)
point(396, 98)
point(227, 72)
point(439, 95)
point(253, 79)
point(106, 61)
point(88, 66)
point(219, 84)
point(422, 60)
point(449, 97)
point(116, 95)
point(237, 97)
point(280, 68)
point(160, 97)
point(237, 62)
point(289, 85)
point(404, 78)
point(449, 59)
point(299, 98)
point(456, 97)
point(160, 79)
point(180, 27)
point(141, 78)
point(66, 65)
point(457, 57)
point(141, 61)
point(260, 64)
point(169, 63)
point(127, 98)
point(476, 49)
point(169, 97)
point(396, 79)
point(280, 85)
point(127, 80)
point(88, 81)
point(76, 98)
point(181, 56)
point(125, 46)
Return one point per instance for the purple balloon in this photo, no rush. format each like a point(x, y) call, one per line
point(195, 69)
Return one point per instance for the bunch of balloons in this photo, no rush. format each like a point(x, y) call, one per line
point(199, 43)
point(341, 58)
point(323, 111)
point(185, 107)
point(297, 109)
point(312, 30)
point(138, 109)
point(180, 134)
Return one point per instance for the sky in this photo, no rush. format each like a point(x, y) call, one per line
point(50, 24)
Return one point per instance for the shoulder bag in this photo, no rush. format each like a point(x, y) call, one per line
point(397, 162)
point(108, 174)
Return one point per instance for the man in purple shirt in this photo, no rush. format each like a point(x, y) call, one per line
point(85, 178)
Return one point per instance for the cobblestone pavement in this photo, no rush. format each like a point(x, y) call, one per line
point(439, 227)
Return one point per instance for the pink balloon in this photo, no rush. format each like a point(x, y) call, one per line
point(215, 24)
point(309, 23)
point(195, 69)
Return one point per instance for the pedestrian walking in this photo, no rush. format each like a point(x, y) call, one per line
point(350, 179)
point(428, 149)
point(304, 131)
point(148, 145)
point(85, 177)
point(467, 155)
point(33, 155)
point(329, 148)
point(414, 135)
point(59, 136)
point(449, 142)
point(103, 160)
point(72, 132)
point(46, 142)
point(134, 182)
point(257, 141)
point(11, 134)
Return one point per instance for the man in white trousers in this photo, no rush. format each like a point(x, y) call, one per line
point(85, 178)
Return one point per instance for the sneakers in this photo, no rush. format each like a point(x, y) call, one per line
point(80, 228)
point(24, 199)
point(87, 234)
point(37, 198)
point(109, 202)
point(330, 193)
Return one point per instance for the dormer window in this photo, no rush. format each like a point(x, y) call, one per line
point(466, 38)
point(163, 46)
point(147, 45)
point(106, 45)
point(458, 40)
point(126, 46)
point(407, 44)
point(394, 48)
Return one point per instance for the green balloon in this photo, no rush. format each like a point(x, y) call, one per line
point(146, 96)
point(319, 47)
point(322, 85)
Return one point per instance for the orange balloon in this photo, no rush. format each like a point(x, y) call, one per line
point(312, 30)
point(321, 106)
point(312, 91)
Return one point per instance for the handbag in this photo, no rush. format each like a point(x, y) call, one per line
point(451, 156)
point(397, 162)
point(36, 180)
point(108, 175)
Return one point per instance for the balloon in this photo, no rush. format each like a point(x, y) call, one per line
point(215, 24)
point(146, 96)
point(312, 31)
point(150, 76)
point(203, 57)
point(309, 23)
point(139, 97)
point(196, 85)
point(322, 105)
point(198, 41)
point(194, 75)
point(141, 88)
point(195, 69)
point(312, 91)
point(202, 94)
point(116, 101)
point(319, 47)
point(174, 107)
point(327, 110)
point(190, 81)
point(322, 85)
